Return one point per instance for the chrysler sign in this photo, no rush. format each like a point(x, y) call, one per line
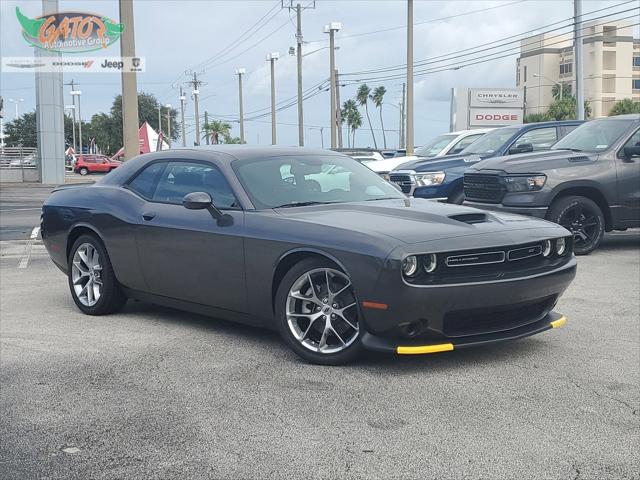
point(496, 98)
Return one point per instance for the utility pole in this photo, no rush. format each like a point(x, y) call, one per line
point(184, 134)
point(130, 118)
point(298, 8)
point(338, 109)
point(271, 58)
point(410, 141)
point(195, 83)
point(577, 58)
point(331, 29)
point(206, 126)
point(168, 107)
point(240, 72)
point(402, 117)
point(73, 118)
point(159, 118)
point(77, 93)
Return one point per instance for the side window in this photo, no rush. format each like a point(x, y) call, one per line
point(566, 129)
point(180, 178)
point(144, 184)
point(464, 143)
point(634, 141)
point(539, 139)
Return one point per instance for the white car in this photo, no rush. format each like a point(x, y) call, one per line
point(445, 144)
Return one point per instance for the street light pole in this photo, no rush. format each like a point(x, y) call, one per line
point(184, 134)
point(299, 61)
point(16, 102)
point(272, 57)
point(168, 107)
point(77, 93)
point(331, 29)
point(73, 123)
point(240, 72)
point(577, 58)
point(538, 75)
point(410, 140)
point(159, 118)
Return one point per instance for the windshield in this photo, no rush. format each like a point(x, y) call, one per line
point(490, 142)
point(435, 146)
point(595, 136)
point(290, 181)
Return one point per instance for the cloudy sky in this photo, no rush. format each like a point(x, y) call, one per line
point(208, 36)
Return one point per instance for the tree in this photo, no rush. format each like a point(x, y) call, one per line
point(565, 109)
point(537, 117)
point(622, 107)
point(217, 130)
point(23, 131)
point(566, 91)
point(356, 123)
point(362, 96)
point(348, 108)
point(377, 97)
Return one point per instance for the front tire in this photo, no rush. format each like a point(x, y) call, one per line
point(92, 282)
point(583, 218)
point(84, 171)
point(317, 313)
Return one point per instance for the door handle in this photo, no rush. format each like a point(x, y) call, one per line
point(149, 215)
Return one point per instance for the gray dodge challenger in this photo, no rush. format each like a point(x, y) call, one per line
point(308, 242)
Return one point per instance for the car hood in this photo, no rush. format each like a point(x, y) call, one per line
point(416, 220)
point(536, 161)
point(383, 166)
point(439, 164)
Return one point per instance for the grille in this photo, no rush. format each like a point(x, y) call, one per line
point(402, 180)
point(484, 188)
point(464, 323)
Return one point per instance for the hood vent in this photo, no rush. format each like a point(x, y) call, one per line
point(470, 218)
point(579, 159)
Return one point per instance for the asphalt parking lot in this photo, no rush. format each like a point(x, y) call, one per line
point(156, 393)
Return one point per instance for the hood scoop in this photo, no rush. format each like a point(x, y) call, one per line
point(579, 158)
point(470, 218)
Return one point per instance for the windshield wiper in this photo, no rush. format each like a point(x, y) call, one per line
point(381, 198)
point(301, 204)
point(572, 149)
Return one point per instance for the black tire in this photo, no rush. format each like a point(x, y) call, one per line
point(456, 197)
point(83, 171)
point(349, 354)
point(112, 298)
point(582, 217)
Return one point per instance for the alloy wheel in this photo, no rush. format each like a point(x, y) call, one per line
point(86, 274)
point(322, 311)
point(582, 223)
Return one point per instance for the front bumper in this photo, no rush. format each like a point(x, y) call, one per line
point(538, 212)
point(379, 344)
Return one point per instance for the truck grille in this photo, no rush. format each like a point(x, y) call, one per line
point(484, 188)
point(402, 180)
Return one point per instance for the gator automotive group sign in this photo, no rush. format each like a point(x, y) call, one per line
point(70, 32)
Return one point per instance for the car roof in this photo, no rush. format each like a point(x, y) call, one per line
point(248, 152)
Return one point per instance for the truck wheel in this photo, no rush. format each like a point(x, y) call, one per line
point(583, 218)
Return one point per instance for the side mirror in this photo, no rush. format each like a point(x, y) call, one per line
point(630, 152)
point(521, 148)
point(202, 201)
point(197, 201)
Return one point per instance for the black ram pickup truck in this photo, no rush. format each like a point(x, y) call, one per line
point(589, 182)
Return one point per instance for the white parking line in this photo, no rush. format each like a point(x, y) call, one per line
point(26, 255)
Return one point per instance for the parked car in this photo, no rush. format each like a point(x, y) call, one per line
point(362, 155)
point(222, 231)
point(89, 163)
point(442, 145)
point(589, 182)
point(441, 179)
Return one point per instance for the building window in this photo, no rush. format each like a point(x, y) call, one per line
point(636, 83)
point(566, 68)
point(636, 61)
point(609, 33)
point(525, 74)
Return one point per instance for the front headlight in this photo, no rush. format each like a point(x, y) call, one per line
point(561, 246)
point(525, 183)
point(429, 179)
point(410, 266)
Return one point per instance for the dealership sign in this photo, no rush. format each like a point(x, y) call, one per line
point(490, 117)
point(69, 32)
point(496, 98)
point(486, 107)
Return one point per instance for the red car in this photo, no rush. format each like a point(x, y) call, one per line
point(86, 164)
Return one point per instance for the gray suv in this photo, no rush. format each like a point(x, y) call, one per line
point(589, 182)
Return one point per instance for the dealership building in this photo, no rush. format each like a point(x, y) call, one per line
point(611, 63)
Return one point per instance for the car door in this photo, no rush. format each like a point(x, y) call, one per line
point(534, 140)
point(628, 170)
point(103, 164)
point(185, 254)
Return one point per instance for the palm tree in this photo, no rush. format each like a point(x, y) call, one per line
point(346, 113)
point(362, 96)
point(217, 129)
point(377, 97)
point(355, 122)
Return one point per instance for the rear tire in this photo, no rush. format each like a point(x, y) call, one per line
point(93, 284)
point(322, 327)
point(583, 218)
